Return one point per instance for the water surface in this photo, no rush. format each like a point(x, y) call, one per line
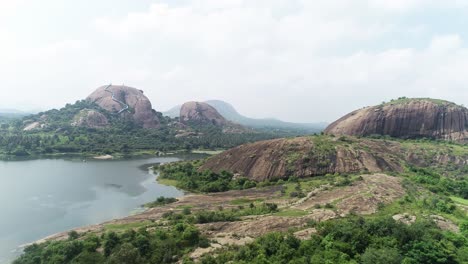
point(42, 197)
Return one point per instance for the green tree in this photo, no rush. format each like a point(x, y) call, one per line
point(381, 256)
point(127, 254)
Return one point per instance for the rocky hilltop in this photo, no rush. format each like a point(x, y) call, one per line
point(202, 114)
point(126, 101)
point(406, 118)
point(320, 155)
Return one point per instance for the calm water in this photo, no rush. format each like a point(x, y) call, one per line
point(42, 197)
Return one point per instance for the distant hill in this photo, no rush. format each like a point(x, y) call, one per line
point(9, 114)
point(231, 114)
point(11, 111)
point(173, 112)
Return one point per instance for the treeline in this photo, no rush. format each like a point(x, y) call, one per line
point(81, 140)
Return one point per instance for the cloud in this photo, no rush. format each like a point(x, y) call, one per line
point(447, 43)
point(299, 60)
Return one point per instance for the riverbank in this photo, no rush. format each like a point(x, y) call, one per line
point(321, 203)
point(141, 154)
point(60, 194)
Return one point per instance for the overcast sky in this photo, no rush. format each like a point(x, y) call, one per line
point(297, 60)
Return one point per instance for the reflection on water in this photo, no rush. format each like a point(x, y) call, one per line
point(42, 197)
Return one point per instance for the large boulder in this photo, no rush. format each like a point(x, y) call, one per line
point(200, 113)
point(406, 118)
point(304, 157)
point(115, 99)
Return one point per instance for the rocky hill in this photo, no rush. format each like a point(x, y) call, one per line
point(201, 114)
point(320, 155)
point(126, 101)
point(230, 113)
point(406, 118)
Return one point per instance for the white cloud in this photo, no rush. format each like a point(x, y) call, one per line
point(447, 43)
point(299, 60)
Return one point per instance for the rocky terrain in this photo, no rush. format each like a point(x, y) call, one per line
point(140, 109)
point(406, 118)
point(320, 155)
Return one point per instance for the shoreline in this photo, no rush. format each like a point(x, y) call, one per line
point(100, 227)
point(100, 156)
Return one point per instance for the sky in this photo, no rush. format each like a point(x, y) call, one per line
point(297, 60)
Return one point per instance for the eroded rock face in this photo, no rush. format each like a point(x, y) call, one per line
point(90, 118)
point(140, 110)
point(201, 113)
point(303, 157)
point(321, 155)
point(407, 118)
point(32, 126)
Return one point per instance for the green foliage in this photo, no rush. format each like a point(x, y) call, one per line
point(431, 179)
point(203, 217)
point(405, 100)
point(163, 245)
point(189, 177)
point(354, 240)
point(161, 201)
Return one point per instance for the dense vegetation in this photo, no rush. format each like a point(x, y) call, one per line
point(188, 177)
point(122, 137)
point(355, 240)
point(162, 245)
point(433, 181)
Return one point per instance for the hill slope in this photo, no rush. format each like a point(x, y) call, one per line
point(320, 155)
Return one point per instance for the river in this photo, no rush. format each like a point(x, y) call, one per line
point(42, 197)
